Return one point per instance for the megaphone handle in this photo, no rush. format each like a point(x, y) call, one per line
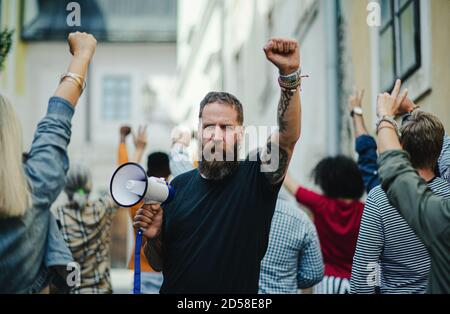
point(137, 263)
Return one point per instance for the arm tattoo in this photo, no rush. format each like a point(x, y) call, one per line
point(276, 175)
point(283, 105)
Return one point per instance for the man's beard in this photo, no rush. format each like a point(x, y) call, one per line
point(218, 170)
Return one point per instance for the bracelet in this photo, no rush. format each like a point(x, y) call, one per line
point(81, 82)
point(386, 127)
point(290, 82)
point(390, 120)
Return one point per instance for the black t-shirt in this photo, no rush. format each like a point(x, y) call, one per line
point(215, 234)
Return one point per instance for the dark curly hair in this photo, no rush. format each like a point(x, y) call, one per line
point(339, 177)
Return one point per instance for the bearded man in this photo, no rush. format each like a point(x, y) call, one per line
point(213, 235)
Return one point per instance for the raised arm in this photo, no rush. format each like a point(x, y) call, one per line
point(140, 143)
point(365, 145)
point(356, 112)
point(285, 55)
point(122, 154)
point(426, 213)
point(47, 161)
point(82, 47)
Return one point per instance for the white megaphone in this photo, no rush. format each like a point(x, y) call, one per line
point(130, 185)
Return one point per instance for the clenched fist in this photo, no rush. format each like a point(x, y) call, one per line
point(149, 218)
point(82, 45)
point(284, 54)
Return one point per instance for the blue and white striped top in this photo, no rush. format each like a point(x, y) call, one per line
point(444, 160)
point(388, 254)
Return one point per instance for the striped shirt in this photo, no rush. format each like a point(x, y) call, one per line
point(293, 259)
point(87, 233)
point(388, 254)
point(444, 160)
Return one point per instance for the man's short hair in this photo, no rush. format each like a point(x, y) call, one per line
point(423, 138)
point(226, 99)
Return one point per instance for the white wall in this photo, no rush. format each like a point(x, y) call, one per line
point(144, 63)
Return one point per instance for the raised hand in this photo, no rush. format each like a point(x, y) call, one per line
point(406, 106)
point(149, 218)
point(284, 54)
point(388, 104)
point(355, 100)
point(140, 139)
point(124, 132)
point(82, 45)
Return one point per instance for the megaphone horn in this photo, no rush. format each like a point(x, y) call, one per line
point(130, 185)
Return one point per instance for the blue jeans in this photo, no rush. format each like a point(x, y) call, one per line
point(151, 282)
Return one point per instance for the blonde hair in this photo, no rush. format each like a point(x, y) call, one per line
point(15, 196)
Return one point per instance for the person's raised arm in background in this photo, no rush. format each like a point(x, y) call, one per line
point(365, 145)
point(140, 143)
point(122, 156)
point(427, 214)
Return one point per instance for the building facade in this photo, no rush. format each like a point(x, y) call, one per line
point(220, 48)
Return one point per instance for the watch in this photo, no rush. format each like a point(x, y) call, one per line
point(357, 110)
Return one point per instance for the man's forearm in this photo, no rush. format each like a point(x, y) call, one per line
point(289, 118)
point(289, 115)
point(153, 253)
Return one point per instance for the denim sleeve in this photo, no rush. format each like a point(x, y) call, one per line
point(366, 147)
point(48, 162)
point(57, 252)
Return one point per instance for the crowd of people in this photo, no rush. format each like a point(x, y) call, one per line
point(233, 226)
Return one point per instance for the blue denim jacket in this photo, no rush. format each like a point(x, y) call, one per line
point(28, 245)
point(366, 147)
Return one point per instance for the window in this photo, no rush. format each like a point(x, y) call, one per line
point(116, 100)
point(400, 53)
point(108, 20)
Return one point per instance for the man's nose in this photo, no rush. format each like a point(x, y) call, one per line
point(218, 134)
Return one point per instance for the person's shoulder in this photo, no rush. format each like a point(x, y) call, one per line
point(377, 196)
point(290, 211)
point(440, 186)
point(376, 193)
point(184, 177)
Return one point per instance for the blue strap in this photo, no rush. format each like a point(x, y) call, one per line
point(137, 263)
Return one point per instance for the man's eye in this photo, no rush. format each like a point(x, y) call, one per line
point(229, 128)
